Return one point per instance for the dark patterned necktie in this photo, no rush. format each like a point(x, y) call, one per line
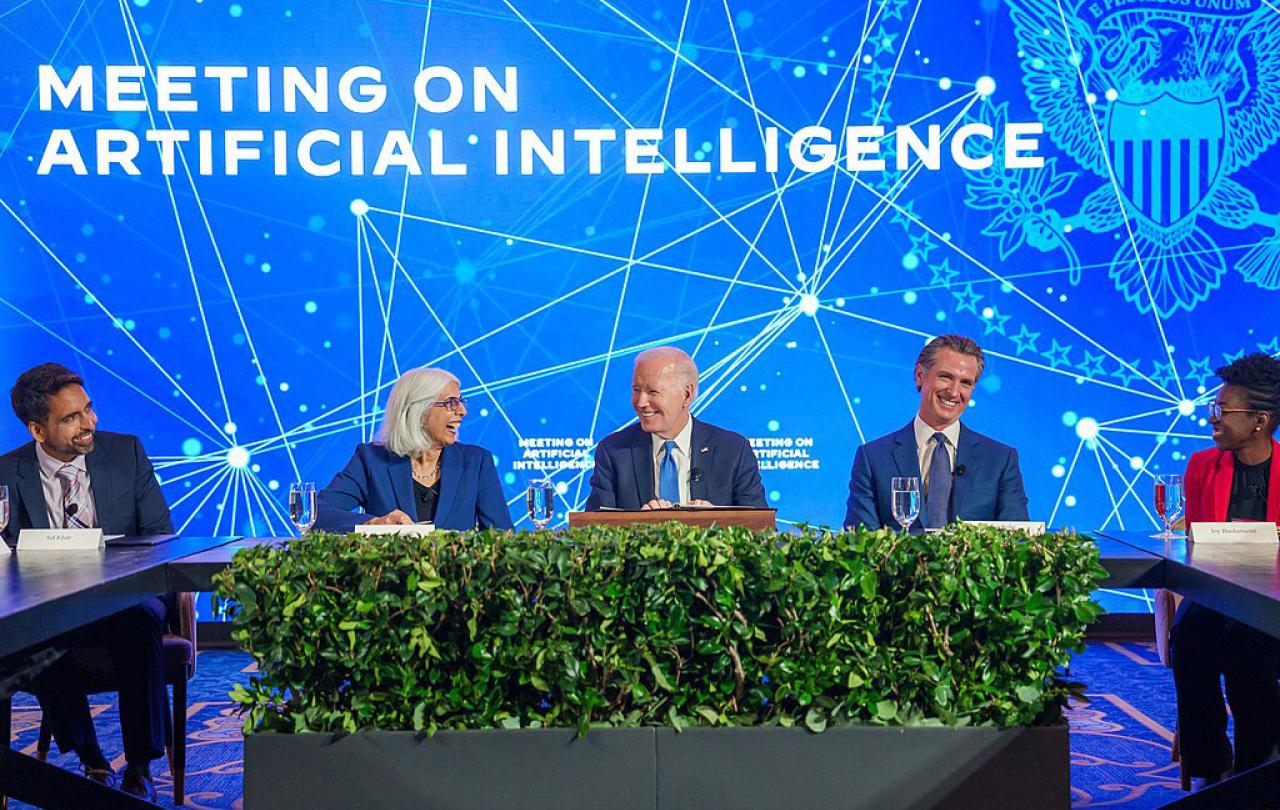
point(938, 498)
point(73, 500)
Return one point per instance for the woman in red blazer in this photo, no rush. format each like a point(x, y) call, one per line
point(1237, 479)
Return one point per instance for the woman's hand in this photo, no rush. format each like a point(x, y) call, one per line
point(393, 518)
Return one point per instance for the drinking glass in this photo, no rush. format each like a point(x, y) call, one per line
point(540, 500)
point(906, 501)
point(302, 505)
point(4, 507)
point(1168, 496)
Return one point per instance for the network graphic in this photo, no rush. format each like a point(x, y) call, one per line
point(250, 326)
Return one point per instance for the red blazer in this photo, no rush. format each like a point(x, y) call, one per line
point(1207, 485)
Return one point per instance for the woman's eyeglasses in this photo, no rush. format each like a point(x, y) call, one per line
point(454, 404)
point(1216, 410)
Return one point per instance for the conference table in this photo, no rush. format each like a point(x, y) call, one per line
point(46, 596)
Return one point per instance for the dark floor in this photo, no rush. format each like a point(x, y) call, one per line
point(1119, 742)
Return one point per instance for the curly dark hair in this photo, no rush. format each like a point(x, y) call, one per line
point(1259, 376)
point(30, 394)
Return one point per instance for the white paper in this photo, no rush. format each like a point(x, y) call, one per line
point(412, 529)
point(1236, 532)
point(60, 540)
point(1035, 528)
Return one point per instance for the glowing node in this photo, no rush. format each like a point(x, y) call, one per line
point(238, 457)
point(229, 428)
point(1186, 407)
point(809, 304)
point(944, 83)
point(985, 85)
point(1059, 471)
point(1087, 428)
point(359, 207)
point(1135, 463)
point(1070, 500)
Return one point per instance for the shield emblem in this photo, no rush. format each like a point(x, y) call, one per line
point(1166, 153)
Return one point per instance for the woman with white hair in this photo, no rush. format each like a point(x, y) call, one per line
point(417, 471)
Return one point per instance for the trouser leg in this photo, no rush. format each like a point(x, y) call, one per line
point(65, 707)
point(1197, 653)
point(134, 638)
point(1252, 665)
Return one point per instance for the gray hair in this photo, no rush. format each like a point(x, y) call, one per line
point(677, 361)
point(956, 343)
point(402, 432)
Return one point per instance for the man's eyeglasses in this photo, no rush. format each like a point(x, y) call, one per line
point(1216, 410)
point(454, 404)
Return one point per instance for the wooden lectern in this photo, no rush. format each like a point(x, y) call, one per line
point(754, 519)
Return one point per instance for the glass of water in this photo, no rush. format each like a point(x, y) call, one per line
point(302, 505)
point(1168, 502)
point(906, 501)
point(540, 500)
point(4, 507)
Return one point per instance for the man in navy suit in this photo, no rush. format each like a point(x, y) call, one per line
point(670, 458)
point(963, 475)
point(72, 476)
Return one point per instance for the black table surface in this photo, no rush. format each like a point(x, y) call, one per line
point(44, 594)
point(1240, 580)
point(195, 571)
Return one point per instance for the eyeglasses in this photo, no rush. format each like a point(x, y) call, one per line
point(454, 404)
point(1216, 410)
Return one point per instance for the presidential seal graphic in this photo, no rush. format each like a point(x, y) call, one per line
point(1163, 100)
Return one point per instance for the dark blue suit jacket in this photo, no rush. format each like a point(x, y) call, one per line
point(726, 470)
point(989, 489)
point(126, 496)
point(378, 481)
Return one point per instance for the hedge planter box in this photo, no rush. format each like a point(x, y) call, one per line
point(909, 768)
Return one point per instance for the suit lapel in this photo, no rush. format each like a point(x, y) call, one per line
point(1223, 472)
point(400, 471)
point(702, 457)
point(969, 454)
point(1273, 486)
point(450, 481)
point(102, 483)
point(905, 455)
point(642, 464)
point(31, 491)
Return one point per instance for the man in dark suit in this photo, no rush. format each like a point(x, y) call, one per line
point(72, 476)
point(963, 475)
point(670, 458)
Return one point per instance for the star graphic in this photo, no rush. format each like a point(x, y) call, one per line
point(942, 273)
point(885, 183)
point(1163, 376)
point(1124, 375)
point(892, 9)
point(967, 299)
point(878, 77)
point(1092, 365)
point(1025, 339)
point(1231, 358)
point(883, 41)
point(996, 322)
point(904, 215)
point(1272, 348)
point(879, 115)
point(1199, 371)
point(1057, 355)
point(922, 245)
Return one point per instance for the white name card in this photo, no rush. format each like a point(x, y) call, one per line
point(60, 540)
point(411, 529)
point(1035, 528)
point(1242, 532)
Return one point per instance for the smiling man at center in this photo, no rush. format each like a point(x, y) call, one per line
point(671, 458)
point(963, 474)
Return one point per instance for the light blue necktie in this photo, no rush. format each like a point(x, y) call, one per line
point(668, 478)
point(938, 498)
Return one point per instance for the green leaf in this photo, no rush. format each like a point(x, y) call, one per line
point(815, 720)
point(886, 709)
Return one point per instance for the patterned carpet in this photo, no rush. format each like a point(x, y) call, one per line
point(1120, 741)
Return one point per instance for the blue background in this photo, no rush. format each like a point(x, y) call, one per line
point(262, 301)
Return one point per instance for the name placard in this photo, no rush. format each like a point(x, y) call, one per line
point(1034, 528)
point(1241, 532)
point(411, 529)
point(60, 540)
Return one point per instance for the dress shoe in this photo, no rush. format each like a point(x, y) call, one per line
point(96, 767)
point(137, 782)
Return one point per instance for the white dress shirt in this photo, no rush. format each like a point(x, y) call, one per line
point(52, 486)
point(681, 452)
point(924, 448)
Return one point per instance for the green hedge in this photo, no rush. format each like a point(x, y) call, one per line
point(660, 625)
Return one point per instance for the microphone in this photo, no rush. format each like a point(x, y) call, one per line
point(71, 509)
point(958, 471)
point(695, 475)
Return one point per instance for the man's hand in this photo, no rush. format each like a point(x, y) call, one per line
point(699, 502)
point(393, 518)
point(657, 503)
